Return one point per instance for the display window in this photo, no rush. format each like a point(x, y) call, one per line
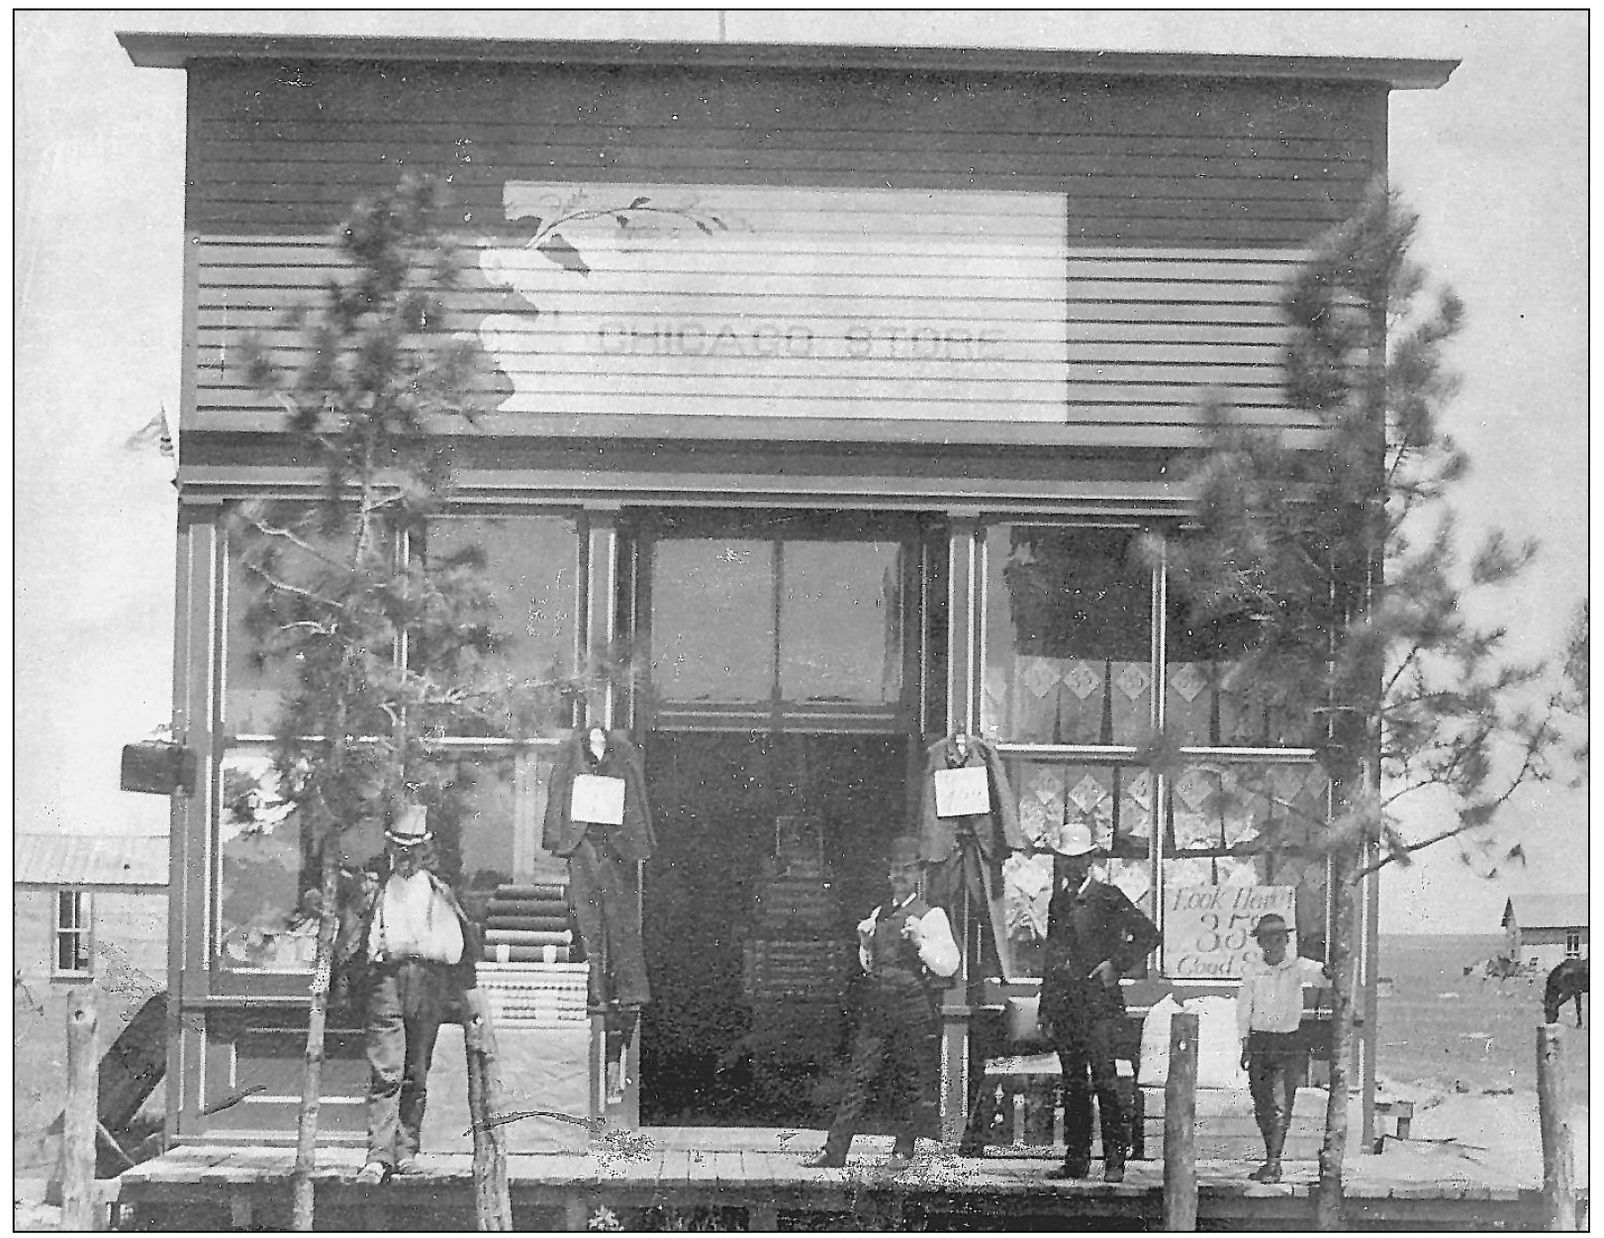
point(485, 789)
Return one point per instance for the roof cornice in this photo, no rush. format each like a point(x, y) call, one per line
point(164, 50)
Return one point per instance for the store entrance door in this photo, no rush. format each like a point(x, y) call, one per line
point(770, 849)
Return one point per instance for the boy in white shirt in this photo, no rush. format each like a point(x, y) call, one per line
point(1269, 1007)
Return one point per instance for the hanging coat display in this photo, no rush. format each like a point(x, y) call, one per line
point(598, 818)
point(966, 849)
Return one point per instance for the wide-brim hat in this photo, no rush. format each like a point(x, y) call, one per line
point(1071, 838)
point(1270, 923)
point(904, 852)
point(410, 828)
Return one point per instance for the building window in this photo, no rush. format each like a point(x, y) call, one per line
point(1573, 943)
point(73, 954)
point(1088, 651)
point(485, 786)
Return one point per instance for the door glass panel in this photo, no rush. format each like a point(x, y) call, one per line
point(841, 622)
point(1068, 636)
point(713, 619)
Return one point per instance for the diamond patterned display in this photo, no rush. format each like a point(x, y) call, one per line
point(1082, 679)
point(1041, 800)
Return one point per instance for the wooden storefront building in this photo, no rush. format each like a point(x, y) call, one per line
point(852, 437)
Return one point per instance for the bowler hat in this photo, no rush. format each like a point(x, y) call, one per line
point(410, 828)
point(1072, 838)
point(1271, 923)
point(904, 852)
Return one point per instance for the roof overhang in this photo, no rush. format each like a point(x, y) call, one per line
point(159, 50)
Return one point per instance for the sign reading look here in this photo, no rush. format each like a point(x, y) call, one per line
point(1207, 929)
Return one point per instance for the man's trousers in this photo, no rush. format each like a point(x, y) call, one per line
point(1277, 1062)
point(406, 1002)
point(894, 1049)
point(1085, 1045)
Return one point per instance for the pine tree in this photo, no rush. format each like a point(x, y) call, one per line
point(383, 652)
point(386, 654)
point(1341, 557)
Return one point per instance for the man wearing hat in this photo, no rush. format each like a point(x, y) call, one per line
point(1269, 1007)
point(1094, 934)
point(906, 947)
point(413, 947)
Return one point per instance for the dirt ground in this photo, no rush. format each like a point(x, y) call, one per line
point(1466, 1053)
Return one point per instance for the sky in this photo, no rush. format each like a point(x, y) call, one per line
point(1495, 166)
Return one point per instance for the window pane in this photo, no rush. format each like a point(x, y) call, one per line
point(485, 811)
point(841, 622)
point(268, 897)
point(254, 684)
point(1116, 802)
point(1215, 696)
point(1068, 636)
point(1251, 824)
point(530, 565)
point(487, 821)
point(713, 619)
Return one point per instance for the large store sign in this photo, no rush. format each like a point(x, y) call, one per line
point(1208, 929)
point(737, 300)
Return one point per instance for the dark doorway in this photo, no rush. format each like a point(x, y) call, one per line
point(770, 850)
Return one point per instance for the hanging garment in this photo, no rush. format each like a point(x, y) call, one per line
point(967, 852)
point(603, 863)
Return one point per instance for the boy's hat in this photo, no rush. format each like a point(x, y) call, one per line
point(411, 827)
point(904, 852)
point(1271, 923)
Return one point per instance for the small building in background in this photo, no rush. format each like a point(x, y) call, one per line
point(1545, 928)
point(86, 909)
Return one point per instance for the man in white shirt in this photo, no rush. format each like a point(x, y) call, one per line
point(1269, 1008)
point(418, 949)
point(906, 947)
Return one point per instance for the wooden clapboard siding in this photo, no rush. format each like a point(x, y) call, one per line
point(1145, 331)
point(890, 245)
point(1170, 159)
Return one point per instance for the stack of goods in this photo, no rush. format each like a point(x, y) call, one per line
point(534, 994)
point(795, 951)
point(530, 924)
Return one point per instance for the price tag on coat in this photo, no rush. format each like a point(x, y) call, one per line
point(598, 800)
point(962, 792)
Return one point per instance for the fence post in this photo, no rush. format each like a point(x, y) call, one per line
point(1180, 1127)
point(1559, 1197)
point(79, 1116)
point(492, 1202)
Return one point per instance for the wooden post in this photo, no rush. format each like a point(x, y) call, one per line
point(1180, 1127)
point(1559, 1196)
point(79, 1119)
point(492, 1201)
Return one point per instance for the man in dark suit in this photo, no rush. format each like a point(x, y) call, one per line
point(1094, 934)
point(907, 950)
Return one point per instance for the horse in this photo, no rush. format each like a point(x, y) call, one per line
point(1566, 982)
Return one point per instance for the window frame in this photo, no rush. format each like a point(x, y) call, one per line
point(1125, 754)
point(81, 930)
point(1573, 943)
point(277, 983)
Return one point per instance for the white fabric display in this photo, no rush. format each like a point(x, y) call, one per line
point(1219, 1051)
point(1153, 1066)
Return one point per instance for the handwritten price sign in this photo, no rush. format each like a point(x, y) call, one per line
point(1207, 928)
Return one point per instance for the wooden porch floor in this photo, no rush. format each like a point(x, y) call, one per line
point(760, 1172)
